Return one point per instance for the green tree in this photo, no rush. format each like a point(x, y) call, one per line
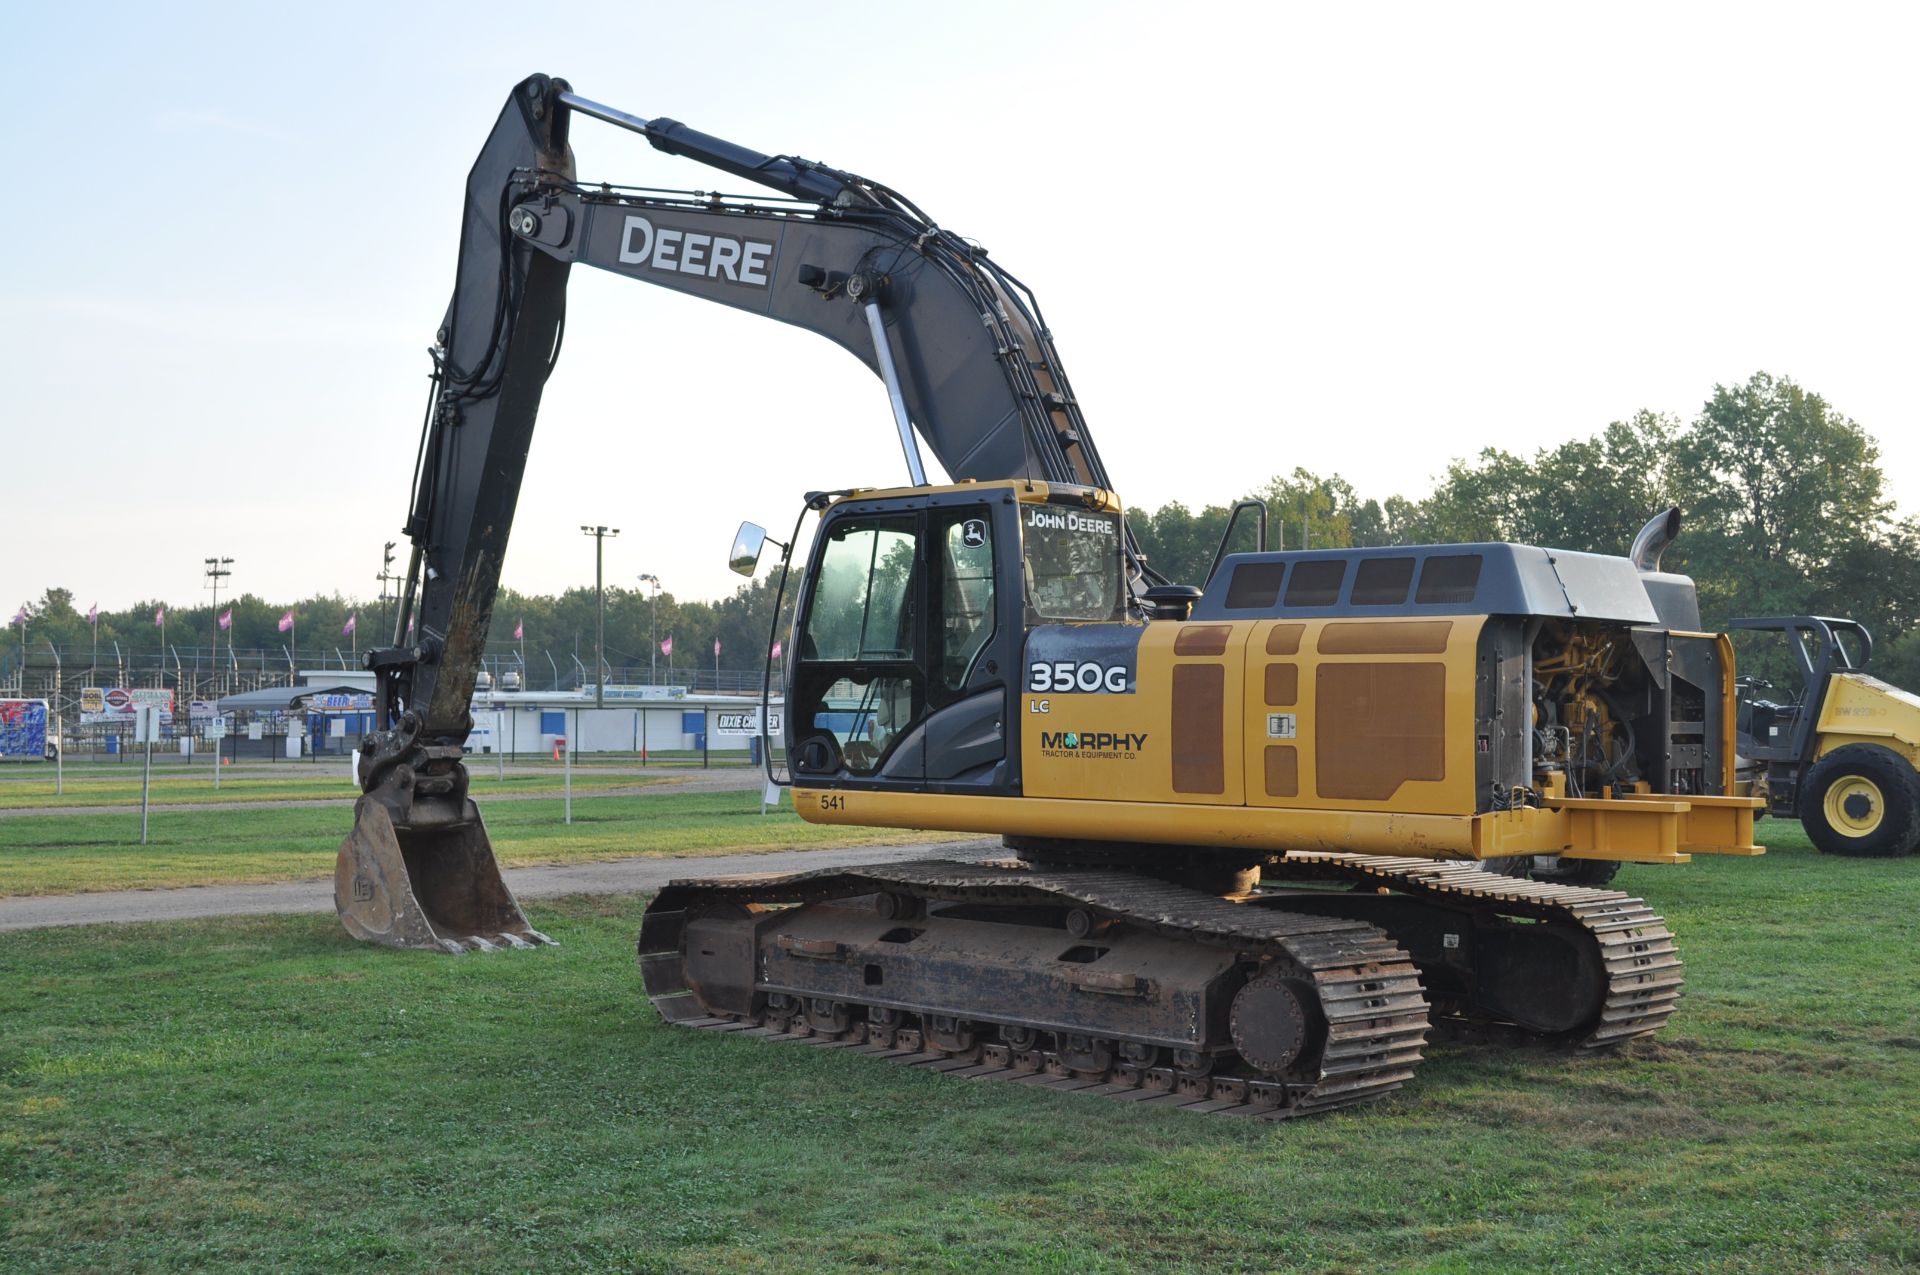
point(1179, 543)
point(1304, 508)
point(1787, 499)
point(1589, 494)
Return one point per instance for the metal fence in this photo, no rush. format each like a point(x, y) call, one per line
point(58, 674)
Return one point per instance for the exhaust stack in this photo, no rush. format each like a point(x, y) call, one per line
point(1660, 531)
point(1675, 599)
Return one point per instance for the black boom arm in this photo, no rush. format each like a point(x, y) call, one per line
point(962, 348)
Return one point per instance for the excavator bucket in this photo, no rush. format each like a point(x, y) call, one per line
point(430, 888)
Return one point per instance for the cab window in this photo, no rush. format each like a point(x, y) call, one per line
point(1071, 559)
point(966, 594)
point(862, 604)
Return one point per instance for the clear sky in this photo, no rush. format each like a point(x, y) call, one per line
point(1359, 238)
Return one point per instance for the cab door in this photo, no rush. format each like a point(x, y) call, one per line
point(901, 669)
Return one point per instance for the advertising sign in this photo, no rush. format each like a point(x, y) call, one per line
point(23, 728)
point(116, 704)
point(746, 723)
point(339, 703)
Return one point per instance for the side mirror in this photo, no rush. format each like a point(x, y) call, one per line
point(747, 544)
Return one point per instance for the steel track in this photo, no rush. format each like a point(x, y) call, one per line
point(1637, 950)
point(1377, 1019)
point(1369, 991)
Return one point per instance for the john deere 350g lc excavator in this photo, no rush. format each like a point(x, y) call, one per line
point(1246, 821)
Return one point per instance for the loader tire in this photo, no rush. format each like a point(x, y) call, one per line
point(1863, 801)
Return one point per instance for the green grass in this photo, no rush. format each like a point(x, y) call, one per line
point(267, 1094)
point(120, 787)
point(68, 853)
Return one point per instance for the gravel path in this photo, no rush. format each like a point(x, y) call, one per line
point(619, 876)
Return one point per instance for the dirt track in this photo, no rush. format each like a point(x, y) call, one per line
point(620, 876)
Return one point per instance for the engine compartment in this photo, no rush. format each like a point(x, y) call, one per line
point(1610, 710)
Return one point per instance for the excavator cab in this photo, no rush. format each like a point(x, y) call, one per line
point(911, 622)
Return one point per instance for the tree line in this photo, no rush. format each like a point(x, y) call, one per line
point(1784, 505)
point(559, 628)
point(1784, 501)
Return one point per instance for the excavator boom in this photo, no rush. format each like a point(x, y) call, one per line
point(959, 344)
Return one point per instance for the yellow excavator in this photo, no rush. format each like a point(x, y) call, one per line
point(1246, 820)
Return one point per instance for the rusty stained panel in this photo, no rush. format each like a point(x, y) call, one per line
point(1199, 728)
point(1385, 637)
point(1376, 726)
point(1283, 771)
point(1203, 639)
point(1284, 639)
point(1283, 685)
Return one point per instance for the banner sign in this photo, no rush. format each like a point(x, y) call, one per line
point(116, 704)
point(746, 723)
point(23, 728)
point(339, 703)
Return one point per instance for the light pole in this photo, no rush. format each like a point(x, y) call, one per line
point(653, 623)
point(386, 578)
point(217, 570)
point(599, 535)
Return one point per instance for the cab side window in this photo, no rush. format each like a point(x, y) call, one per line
point(863, 603)
point(863, 617)
point(966, 594)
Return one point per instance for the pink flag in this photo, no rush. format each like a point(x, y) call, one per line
point(160, 618)
point(520, 631)
point(349, 625)
point(776, 650)
point(716, 648)
point(226, 618)
point(20, 618)
point(286, 621)
point(666, 647)
point(93, 614)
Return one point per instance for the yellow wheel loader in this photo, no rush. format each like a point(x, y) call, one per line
point(1829, 744)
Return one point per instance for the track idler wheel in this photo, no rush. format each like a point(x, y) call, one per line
point(1271, 1024)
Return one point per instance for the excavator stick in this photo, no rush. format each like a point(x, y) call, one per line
point(430, 888)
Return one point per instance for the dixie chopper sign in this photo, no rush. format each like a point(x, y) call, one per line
point(747, 723)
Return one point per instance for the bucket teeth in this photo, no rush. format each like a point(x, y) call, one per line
point(434, 888)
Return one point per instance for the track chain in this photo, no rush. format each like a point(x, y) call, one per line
point(1370, 993)
point(1636, 948)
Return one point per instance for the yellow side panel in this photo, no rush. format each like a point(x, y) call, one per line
point(1150, 745)
point(1865, 710)
point(1392, 694)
